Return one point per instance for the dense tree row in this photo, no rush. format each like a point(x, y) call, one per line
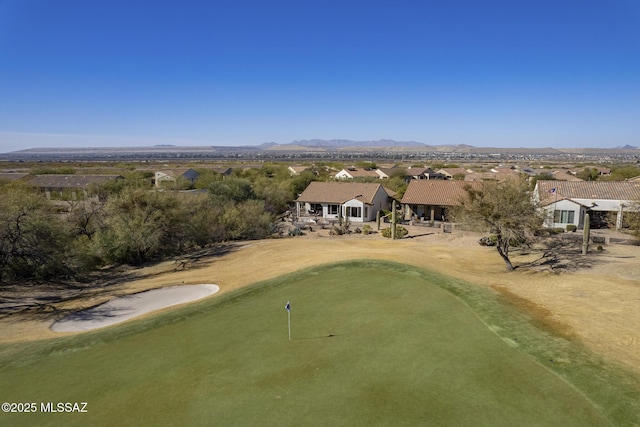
point(129, 222)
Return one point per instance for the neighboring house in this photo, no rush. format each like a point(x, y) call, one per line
point(424, 173)
point(566, 202)
point(70, 183)
point(450, 173)
point(358, 202)
point(562, 212)
point(429, 200)
point(490, 176)
point(386, 173)
point(224, 171)
point(352, 173)
point(172, 175)
point(14, 176)
point(564, 175)
point(297, 170)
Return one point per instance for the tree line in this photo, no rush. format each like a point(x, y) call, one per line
point(130, 222)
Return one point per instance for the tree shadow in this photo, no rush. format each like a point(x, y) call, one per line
point(559, 255)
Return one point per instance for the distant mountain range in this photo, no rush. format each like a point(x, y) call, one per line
point(310, 147)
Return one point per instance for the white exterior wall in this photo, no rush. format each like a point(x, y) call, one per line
point(343, 174)
point(356, 204)
point(380, 202)
point(564, 205)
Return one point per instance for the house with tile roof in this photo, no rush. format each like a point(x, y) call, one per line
point(70, 183)
point(430, 200)
point(15, 176)
point(297, 170)
point(450, 173)
point(424, 173)
point(223, 170)
point(172, 175)
point(351, 173)
point(358, 202)
point(566, 202)
point(565, 175)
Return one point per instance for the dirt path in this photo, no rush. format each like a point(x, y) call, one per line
point(598, 305)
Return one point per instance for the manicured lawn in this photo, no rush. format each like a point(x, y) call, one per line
point(373, 344)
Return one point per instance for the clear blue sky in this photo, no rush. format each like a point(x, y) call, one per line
point(525, 73)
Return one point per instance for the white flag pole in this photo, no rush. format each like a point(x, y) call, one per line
point(288, 308)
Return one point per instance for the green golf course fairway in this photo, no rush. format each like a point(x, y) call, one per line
point(372, 344)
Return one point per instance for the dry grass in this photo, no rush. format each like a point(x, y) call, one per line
point(592, 299)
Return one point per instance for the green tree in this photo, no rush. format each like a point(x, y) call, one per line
point(235, 189)
point(588, 174)
point(544, 176)
point(246, 221)
point(505, 209)
point(136, 225)
point(622, 173)
point(277, 195)
point(32, 240)
point(206, 177)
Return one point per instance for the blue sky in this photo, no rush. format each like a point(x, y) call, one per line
point(562, 73)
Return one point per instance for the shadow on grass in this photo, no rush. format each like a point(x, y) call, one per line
point(314, 338)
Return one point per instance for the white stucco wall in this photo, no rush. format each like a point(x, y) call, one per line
point(564, 205)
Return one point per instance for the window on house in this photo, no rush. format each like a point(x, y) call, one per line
point(333, 209)
point(315, 208)
point(354, 211)
point(563, 217)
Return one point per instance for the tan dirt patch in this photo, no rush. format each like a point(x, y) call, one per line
point(598, 306)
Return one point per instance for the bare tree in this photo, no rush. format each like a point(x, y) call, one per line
point(505, 209)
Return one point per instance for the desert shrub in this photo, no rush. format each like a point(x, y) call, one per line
point(571, 228)
point(493, 240)
point(488, 240)
point(337, 230)
point(400, 232)
point(599, 248)
point(366, 229)
point(294, 231)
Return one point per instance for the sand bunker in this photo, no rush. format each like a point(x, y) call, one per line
point(130, 306)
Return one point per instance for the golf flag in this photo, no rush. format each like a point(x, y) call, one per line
point(288, 308)
point(553, 190)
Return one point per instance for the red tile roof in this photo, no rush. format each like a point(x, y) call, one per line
point(436, 192)
point(339, 192)
point(604, 190)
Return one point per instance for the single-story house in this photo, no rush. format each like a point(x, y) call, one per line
point(424, 173)
point(491, 176)
point(223, 170)
point(172, 175)
point(566, 202)
point(451, 173)
point(564, 175)
point(297, 170)
point(429, 200)
point(15, 176)
point(352, 173)
point(358, 202)
point(70, 183)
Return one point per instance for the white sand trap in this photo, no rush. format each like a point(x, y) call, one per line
point(124, 308)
